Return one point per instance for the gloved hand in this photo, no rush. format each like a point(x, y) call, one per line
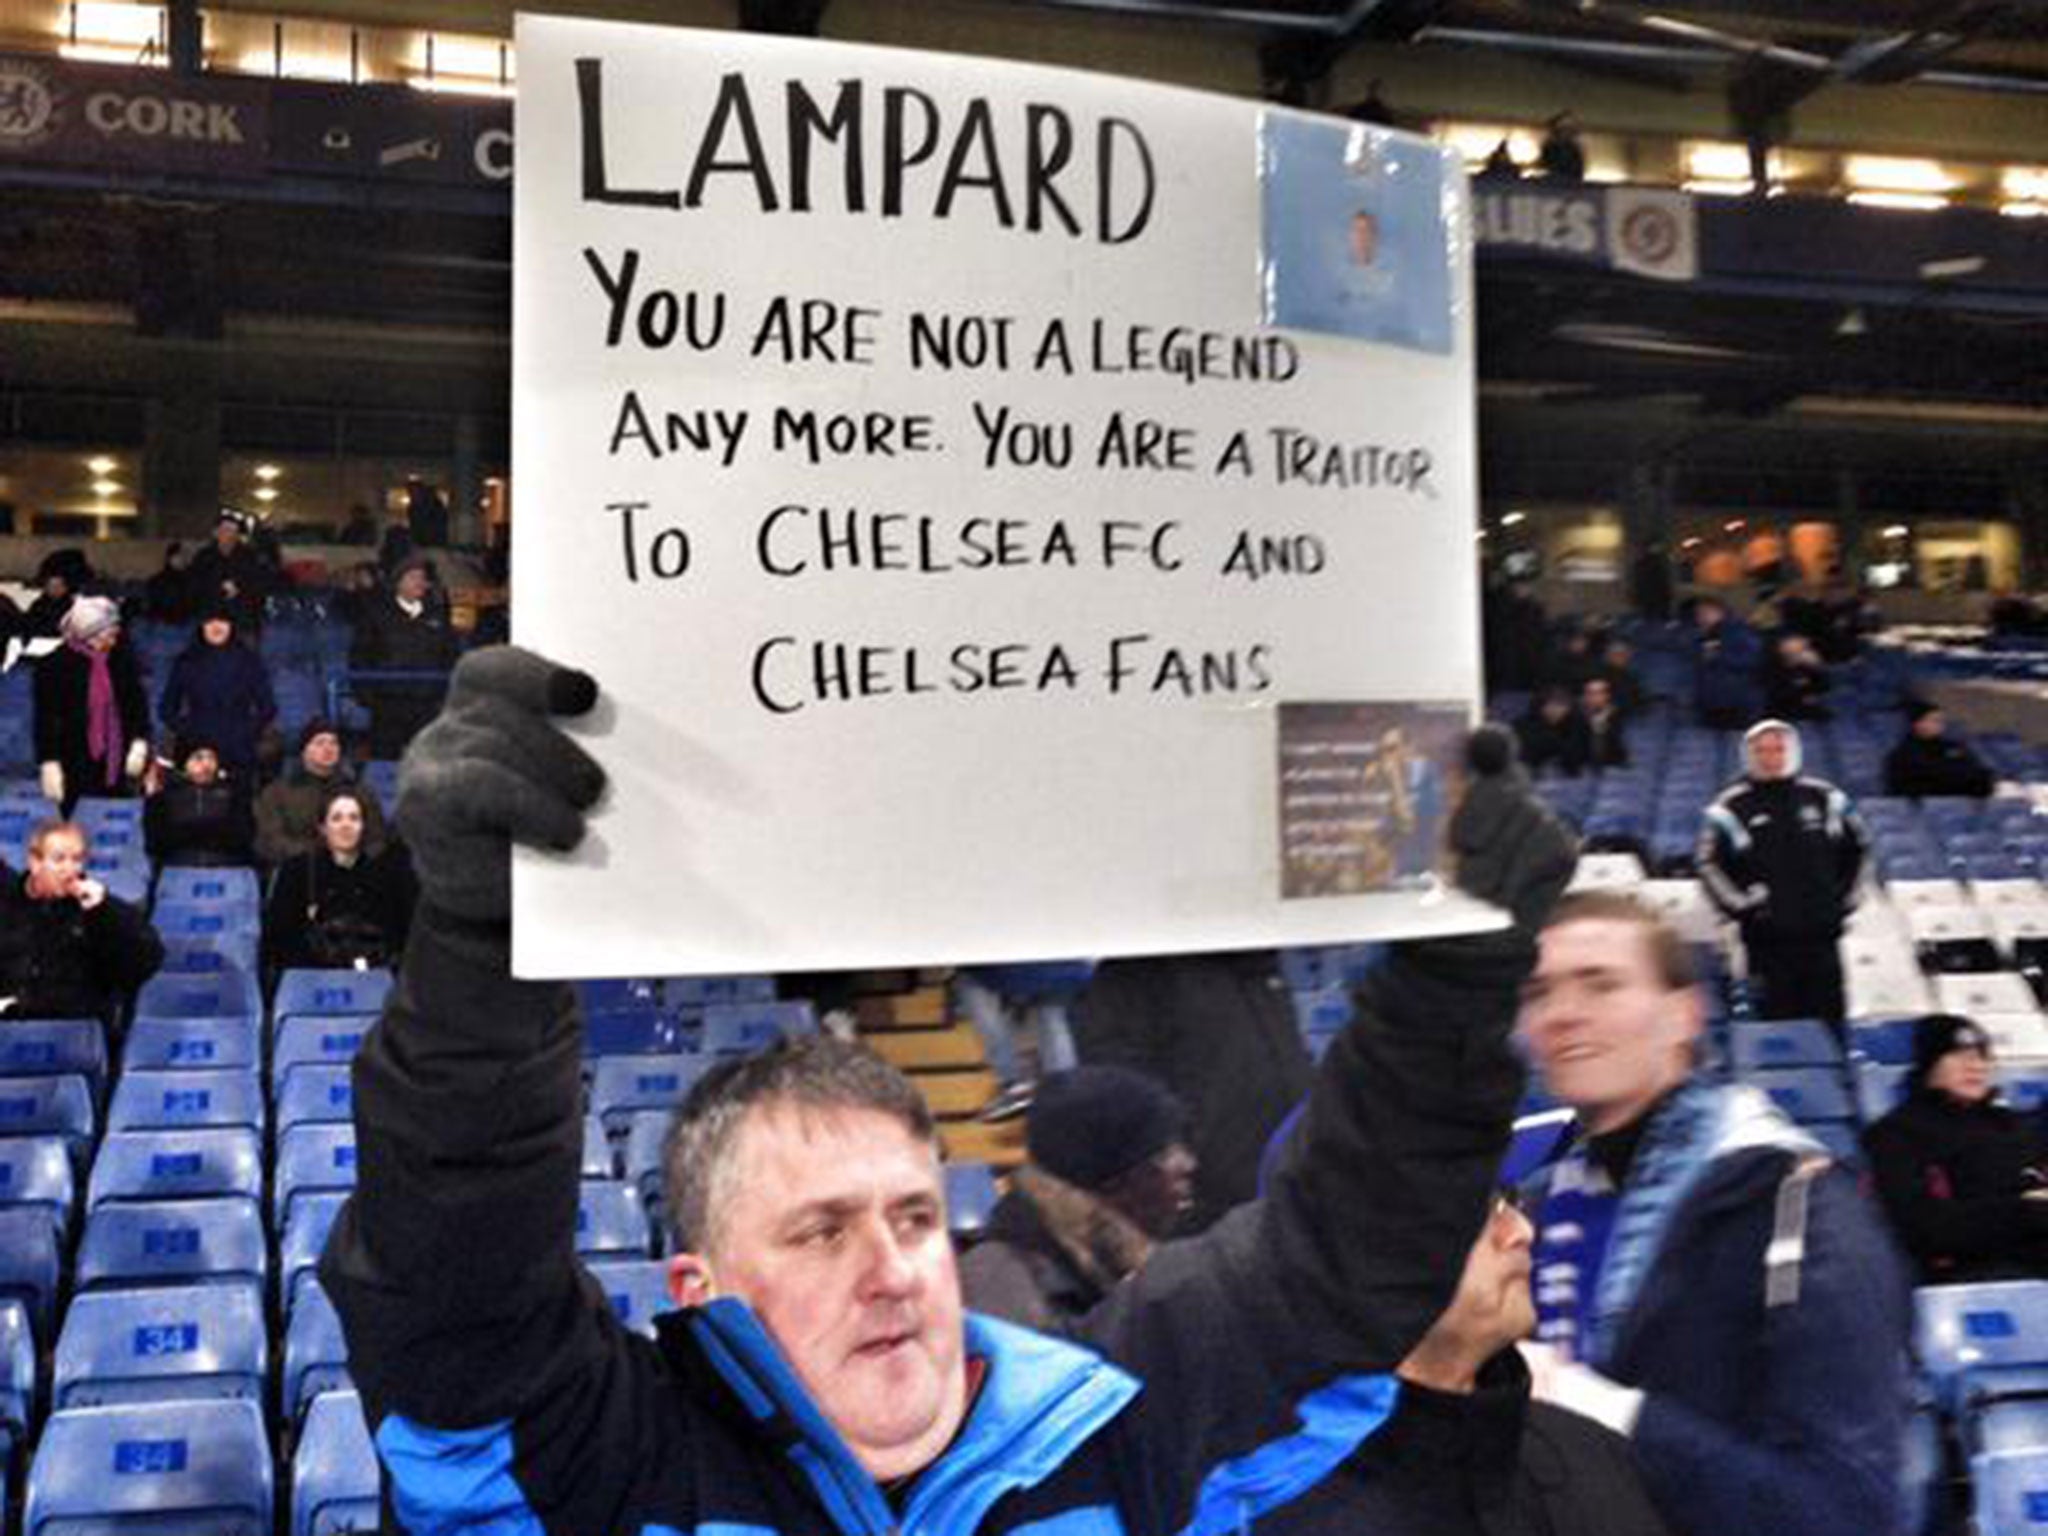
point(138, 757)
point(53, 783)
point(491, 771)
point(1580, 1389)
point(1512, 851)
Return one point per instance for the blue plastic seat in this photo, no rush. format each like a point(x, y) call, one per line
point(195, 957)
point(1879, 1088)
point(699, 992)
point(330, 993)
point(229, 995)
point(1806, 1093)
point(312, 1095)
point(48, 1106)
point(642, 1030)
point(173, 1100)
point(1782, 1043)
point(313, 1040)
point(236, 934)
point(315, 1353)
point(312, 1159)
point(30, 1263)
point(172, 1242)
point(35, 1174)
point(157, 1467)
point(305, 1238)
point(1980, 1342)
point(2011, 1424)
point(17, 1380)
point(646, 1136)
point(597, 1150)
point(637, 1290)
point(622, 1085)
point(176, 1165)
point(610, 1220)
point(612, 994)
point(740, 1029)
point(1889, 1041)
point(334, 1470)
point(2009, 1493)
point(231, 886)
point(173, 1343)
point(970, 1196)
point(105, 813)
point(192, 1044)
point(54, 1048)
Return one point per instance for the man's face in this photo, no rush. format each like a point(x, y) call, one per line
point(1930, 725)
point(1492, 1307)
point(55, 869)
point(56, 588)
point(1707, 615)
point(1597, 697)
point(216, 632)
point(203, 766)
point(1965, 1073)
point(321, 753)
point(832, 1228)
point(1157, 1194)
point(226, 536)
point(412, 586)
point(1770, 756)
point(1609, 1037)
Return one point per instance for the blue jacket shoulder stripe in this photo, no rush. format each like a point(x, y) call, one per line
point(445, 1481)
point(1335, 1421)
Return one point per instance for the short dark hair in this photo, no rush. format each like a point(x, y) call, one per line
point(817, 1072)
point(1669, 953)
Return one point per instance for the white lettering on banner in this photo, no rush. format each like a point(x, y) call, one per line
point(949, 588)
point(1548, 222)
point(493, 154)
point(154, 117)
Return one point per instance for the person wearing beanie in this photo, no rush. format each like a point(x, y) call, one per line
point(404, 630)
point(1928, 761)
point(228, 572)
point(1963, 1178)
point(1109, 1177)
point(198, 817)
point(288, 811)
point(1780, 855)
point(62, 576)
point(91, 715)
point(220, 690)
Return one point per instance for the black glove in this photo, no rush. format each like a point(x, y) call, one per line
point(490, 771)
point(1512, 851)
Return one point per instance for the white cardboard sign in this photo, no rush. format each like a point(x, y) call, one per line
point(1012, 512)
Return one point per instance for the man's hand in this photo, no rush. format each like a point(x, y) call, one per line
point(89, 892)
point(53, 782)
point(493, 770)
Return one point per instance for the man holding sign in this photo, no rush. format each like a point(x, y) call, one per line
point(822, 1376)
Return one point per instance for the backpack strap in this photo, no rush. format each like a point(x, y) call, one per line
point(1787, 1249)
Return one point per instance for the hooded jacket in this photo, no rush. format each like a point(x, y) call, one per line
point(1954, 1178)
point(1050, 1254)
point(1773, 1373)
point(1781, 856)
point(220, 693)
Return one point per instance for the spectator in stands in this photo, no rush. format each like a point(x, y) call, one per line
point(168, 596)
point(1727, 656)
point(63, 575)
point(1606, 746)
point(1574, 657)
point(67, 948)
point(92, 717)
point(1110, 1175)
point(1219, 1032)
point(1964, 1179)
point(1708, 1284)
point(1650, 588)
point(1624, 683)
point(339, 906)
point(404, 631)
point(1927, 761)
point(1514, 631)
point(1559, 157)
point(823, 1374)
point(361, 527)
point(1796, 680)
point(1780, 855)
point(227, 572)
point(1553, 736)
point(199, 817)
point(288, 811)
point(220, 690)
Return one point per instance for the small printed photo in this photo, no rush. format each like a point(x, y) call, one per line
point(1366, 791)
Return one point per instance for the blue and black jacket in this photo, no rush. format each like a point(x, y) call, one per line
point(1229, 1378)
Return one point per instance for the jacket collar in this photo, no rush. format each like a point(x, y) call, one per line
point(1040, 1398)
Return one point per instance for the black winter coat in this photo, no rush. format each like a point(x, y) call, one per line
point(63, 693)
point(200, 826)
point(60, 961)
point(1781, 856)
point(388, 639)
point(323, 914)
point(1953, 1177)
point(1918, 767)
point(222, 694)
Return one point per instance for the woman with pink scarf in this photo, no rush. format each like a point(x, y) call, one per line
point(92, 717)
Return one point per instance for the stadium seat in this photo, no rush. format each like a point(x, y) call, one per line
point(195, 957)
point(2011, 1424)
point(1879, 1087)
point(54, 1048)
point(173, 1100)
point(611, 994)
point(101, 814)
point(1806, 1093)
point(313, 1095)
point(334, 1470)
point(641, 1030)
point(970, 1195)
point(17, 1385)
point(1840, 1138)
point(314, 1040)
point(229, 995)
point(1683, 906)
point(2009, 1493)
point(315, 1353)
point(174, 1343)
point(305, 1237)
point(172, 1242)
point(1888, 993)
point(1907, 894)
point(1608, 871)
point(1977, 1343)
point(229, 887)
point(621, 1085)
point(35, 1174)
point(2015, 1036)
point(637, 1290)
point(699, 992)
point(610, 1220)
point(29, 1264)
point(312, 1159)
point(1889, 1041)
point(156, 1467)
point(328, 994)
point(2025, 1085)
point(196, 1044)
point(740, 1029)
point(176, 1165)
point(646, 1135)
point(47, 1106)
point(597, 1151)
point(1782, 1043)
point(234, 934)
point(1985, 992)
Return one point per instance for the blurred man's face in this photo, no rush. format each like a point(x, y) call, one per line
point(1930, 725)
point(321, 753)
point(226, 536)
point(1555, 709)
point(1609, 1037)
point(1707, 615)
point(56, 587)
point(217, 632)
point(832, 1228)
point(412, 586)
point(55, 868)
point(1770, 756)
point(203, 766)
point(1157, 1194)
point(1597, 697)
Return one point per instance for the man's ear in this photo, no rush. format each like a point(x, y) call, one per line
point(690, 1281)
